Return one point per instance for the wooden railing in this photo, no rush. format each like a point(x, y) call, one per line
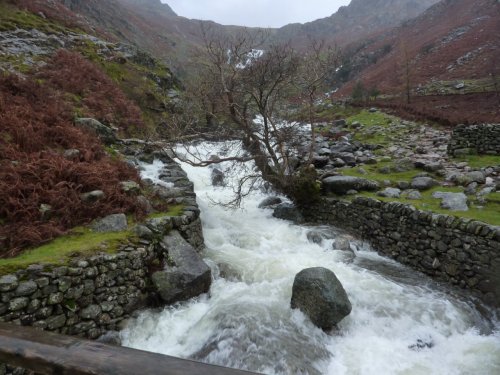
point(49, 353)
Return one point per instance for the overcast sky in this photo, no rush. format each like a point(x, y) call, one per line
point(264, 13)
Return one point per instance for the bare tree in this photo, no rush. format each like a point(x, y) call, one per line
point(250, 88)
point(317, 64)
point(406, 71)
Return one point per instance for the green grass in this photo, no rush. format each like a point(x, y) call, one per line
point(368, 118)
point(489, 213)
point(12, 18)
point(493, 198)
point(176, 210)
point(80, 242)
point(480, 161)
point(374, 174)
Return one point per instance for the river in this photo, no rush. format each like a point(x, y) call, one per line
point(401, 321)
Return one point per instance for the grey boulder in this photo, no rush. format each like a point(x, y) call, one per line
point(342, 184)
point(111, 223)
point(217, 177)
point(288, 211)
point(186, 276)
point(452, 201)
point(269, 202)
point(319, 294)
point(105, 133)
point(390, 193)
point(423, 183)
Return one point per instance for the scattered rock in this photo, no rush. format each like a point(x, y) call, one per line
point(45, 211)
point(130, 187)
point(452, 201)
point(340, 123)
point(390, 193)
point(104, 132)
point(111, 223)
point(338, 163)
point(471, 188)
point(403, 185)
point(476, 176)
point(342, 243)
point(342, 184)
point(315, 237)
point(320, 161)
point(145, 204)
point(423, 183)
point(72, 154)
point(92, 196)
point(319, 294)
point(143, 231)
point(414, 195)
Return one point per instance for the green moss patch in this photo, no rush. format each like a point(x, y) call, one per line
point(176, 210)
point(79, 242)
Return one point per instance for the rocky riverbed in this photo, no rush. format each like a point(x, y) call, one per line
point(401, 159)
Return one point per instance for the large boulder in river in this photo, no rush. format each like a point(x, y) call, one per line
point(288, 211)
point(217, 177)
point(343, 184)
point(319, 294)
point(185, 276)
point(270, 202)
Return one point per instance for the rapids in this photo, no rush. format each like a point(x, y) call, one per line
point(401, 321)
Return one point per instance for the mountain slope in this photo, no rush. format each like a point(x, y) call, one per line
point(156, 28)
point(358, 20)
point(443, 65)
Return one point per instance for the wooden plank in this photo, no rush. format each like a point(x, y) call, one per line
point(50, 353)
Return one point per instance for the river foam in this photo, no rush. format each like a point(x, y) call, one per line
point(401, 322)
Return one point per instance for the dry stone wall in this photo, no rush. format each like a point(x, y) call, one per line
point(91, 296)
point(475, 139)
point(463, 252)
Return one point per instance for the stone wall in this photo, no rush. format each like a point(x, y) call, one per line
point(463, 252)
point(475, 139)
point(93, 295)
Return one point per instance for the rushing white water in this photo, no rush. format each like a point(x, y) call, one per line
point(246, 320)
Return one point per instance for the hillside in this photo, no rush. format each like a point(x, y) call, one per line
point(451, 49)
point(66, 94)
point(360, 19)
point(156, 28)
